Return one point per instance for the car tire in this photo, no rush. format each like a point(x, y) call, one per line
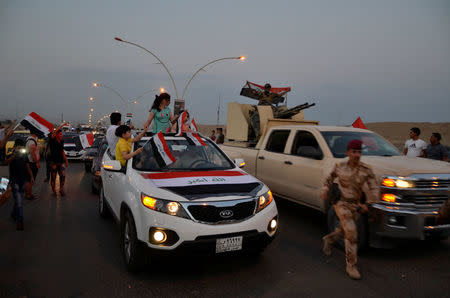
point(362, 225)
point(102, 205)
point(132, 250)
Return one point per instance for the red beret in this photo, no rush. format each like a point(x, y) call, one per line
point(354, 144)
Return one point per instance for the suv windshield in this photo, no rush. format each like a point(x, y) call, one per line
point(188, 156)
point(373, 144)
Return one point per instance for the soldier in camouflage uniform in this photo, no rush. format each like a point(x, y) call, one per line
point(353, 178)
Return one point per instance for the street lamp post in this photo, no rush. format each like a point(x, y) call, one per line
point(202, 68)
point(162, 63)
point(113, 90)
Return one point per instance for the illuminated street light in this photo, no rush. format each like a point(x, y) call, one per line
point(242, 58)
point(91, 98)
point(95, 85)
point(162, 63)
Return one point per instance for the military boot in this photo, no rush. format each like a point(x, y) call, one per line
point(353, 272)
point(327, 244)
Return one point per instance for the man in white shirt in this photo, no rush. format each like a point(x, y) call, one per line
point(111, 137)
point(414, 147)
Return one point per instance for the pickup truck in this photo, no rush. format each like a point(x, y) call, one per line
point(294, 160)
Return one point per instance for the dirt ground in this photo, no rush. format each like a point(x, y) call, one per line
point(395, 132)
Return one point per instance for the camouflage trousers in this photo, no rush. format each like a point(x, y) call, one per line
point(348, 230)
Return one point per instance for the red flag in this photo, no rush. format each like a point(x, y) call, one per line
point(359, 124)
point(87, 140)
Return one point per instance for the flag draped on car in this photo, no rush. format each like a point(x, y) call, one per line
point(196, 178)
point(87, 140)
point(37, 125)
point(162, 153)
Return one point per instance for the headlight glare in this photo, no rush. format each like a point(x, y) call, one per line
point(173, 207)
point(398, 182)
point(164, 206)
point(265, 200)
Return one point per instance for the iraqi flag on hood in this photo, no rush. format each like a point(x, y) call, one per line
point(162, 152)
point(87, 140)
point(37, 125)
point(196, 178)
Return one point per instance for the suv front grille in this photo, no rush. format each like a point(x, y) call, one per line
point(211, 213)
point(427, 201)
point(439, 183)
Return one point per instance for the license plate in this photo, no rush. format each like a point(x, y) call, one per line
point(229, 244)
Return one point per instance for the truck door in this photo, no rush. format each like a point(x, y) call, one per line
point(269, 164)
point(302, 169)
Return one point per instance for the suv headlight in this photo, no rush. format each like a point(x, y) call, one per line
point(398, 182)
point(164, 206)
point(264, 200)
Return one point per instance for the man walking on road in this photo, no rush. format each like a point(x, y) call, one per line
point(414, 147)
point(32, 148)
point(353, 178)
point(58, 160)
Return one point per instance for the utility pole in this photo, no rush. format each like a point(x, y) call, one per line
point(218, 111)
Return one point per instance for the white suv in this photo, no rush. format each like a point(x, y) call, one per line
point(202, 202)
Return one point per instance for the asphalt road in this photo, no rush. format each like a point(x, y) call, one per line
point(67, 250)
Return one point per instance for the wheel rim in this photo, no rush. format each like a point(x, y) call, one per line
point(126, 241)
point(101, 201)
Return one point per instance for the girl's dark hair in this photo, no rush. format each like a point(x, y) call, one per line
point(158, 100)
point(121, 130)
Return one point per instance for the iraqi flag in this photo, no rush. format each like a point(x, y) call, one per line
point(162, 152)
point(37, 125)
point(195, 139)
point(359, 124)
point(197, 178)
point(87, 140)
point(181, 120)
point(193, 125)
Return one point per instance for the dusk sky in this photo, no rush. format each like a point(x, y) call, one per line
point(381, 60)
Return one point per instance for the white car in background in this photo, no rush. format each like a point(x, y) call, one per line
point(72, 146)
point(201, 203)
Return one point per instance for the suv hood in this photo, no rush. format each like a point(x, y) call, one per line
point(405, 166)
point(199, 185)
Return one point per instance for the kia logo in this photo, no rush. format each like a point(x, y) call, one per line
point(226, 213)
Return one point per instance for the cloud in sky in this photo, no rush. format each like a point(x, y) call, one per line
point(381, 60)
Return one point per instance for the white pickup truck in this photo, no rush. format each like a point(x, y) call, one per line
point(294, 160)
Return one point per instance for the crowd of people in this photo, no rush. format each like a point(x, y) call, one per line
point(24, 162)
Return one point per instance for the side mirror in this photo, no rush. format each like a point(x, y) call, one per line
point(310, 152)
point(239, 162)
point(112, 165)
